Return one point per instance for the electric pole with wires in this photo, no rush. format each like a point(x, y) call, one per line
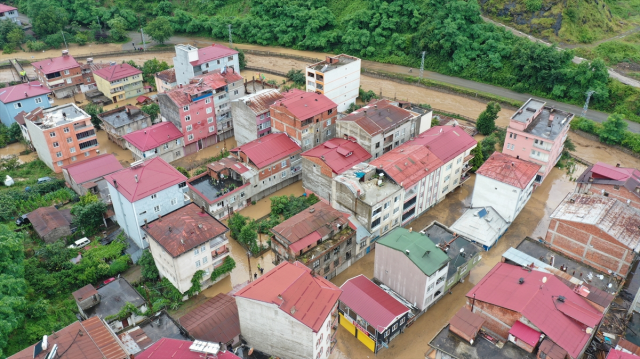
point(230, 40)
point(586, 103)
point(422, 64)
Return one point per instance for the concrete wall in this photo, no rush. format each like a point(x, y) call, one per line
point(8, 111)
point(184, 70)
point(399, 273)
point(341, 84)
point(39, 143)
point(589, 245)
point(322, 128)
point(376, 144)
point(317, 177)
point(270, 330)
point(497, 319)
point(506, 199)
point(244, 123)
point(364, 139)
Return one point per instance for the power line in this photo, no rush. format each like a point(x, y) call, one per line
point(586, 104)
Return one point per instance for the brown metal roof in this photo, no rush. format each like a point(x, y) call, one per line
point(260, 102)
point(167, 75)
point(46, 219)
point(216, 320)
point(184, 229)
point(467, 322)
point(320, 217)
point(84, 292)
point(552, 350)
point(378, 116)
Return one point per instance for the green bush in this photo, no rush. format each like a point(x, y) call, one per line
point(36, 45)
point(8, 49)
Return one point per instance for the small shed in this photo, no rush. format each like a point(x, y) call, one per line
point(143, 100)
point(216, 320)
point(50, 223)
point(466, 324)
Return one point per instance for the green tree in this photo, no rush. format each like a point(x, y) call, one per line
point(16, 36)
point(14, 132)
point(613, 130)
point(88, 198)
point(90, 217)
point(236, 223)
point(241, 60)
point(487, 120)
point(118, 27)
point(81, 39)
point(151, 67)
point(488, 145)
point(4, 135)
point(183, 171)
point(36, 45)
point(160, 29)
point(149, 270)
point(478, 158)
point(54, 40)
point(366, 96)
point(152, 110)
point(47, 17)
point(296, 76)
point(94, 110)
point(164, 8)
point(12, 284)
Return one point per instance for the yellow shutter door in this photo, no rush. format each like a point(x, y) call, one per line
point(347, 324)
point(364, 338)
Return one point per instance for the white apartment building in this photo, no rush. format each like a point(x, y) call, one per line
point(337, 77)
point(191, 61)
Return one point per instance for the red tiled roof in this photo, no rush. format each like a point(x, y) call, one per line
point(378, 119)
point(153, 176)
point(23, 91)
point(184, 229)
point(446, 142)
point(466, 322)
point(509, 170)
point(371, 303)
point(181, 96)
point(525, 333)
point(167, 348)
point(304, 105)
point(320, 218)
point(56, 64)
point(154, 136)
point(168, 75)
point(408, 163)
point(339, 154)
point(116, 72)
point(92, 168)
point(313, 297)
point(216, 320)
point(260, 102)
point(213, 52)
point(305, 242)
point(4, 8)
point(228, 162)
point(617, 354)
point(20, 118)
point(97, 341)
point(268, 149)
point(563, 322)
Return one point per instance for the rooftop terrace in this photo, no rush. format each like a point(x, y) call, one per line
point(61, 115)
point(548, 124)
point(333, 62)
point(212, 188)
point(161, 325)
point(450, 343)
point(316, 251)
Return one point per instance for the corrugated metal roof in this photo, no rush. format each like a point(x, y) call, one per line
point(305, 297)
point(216, 320)
point(304, 105)
point(624, 344)
point(5, 8)
point(378, 116)
point(339, 154)
point(213, 52)
point(269, 149)
point(23, 91)
point(422, 251)
point(117, 72)
point(168, 75)
point(319, 217)
point(143, 180)
point(84, 292)
point(445, 142)
point(466, 322)
point(509, 170)
point(408, 163)
point(606, 174)
point(525, 333)
point(538, 302)
point(47, 219)
point(619, 220)
point(92, 168)
point(181, 95)
point(56, 64)
point(228, 162)
point(184, 229)
point(167, 348)
point(154, 136)
point(618, 354)
point(371, 303)
point(261, 101)
point(552, 350)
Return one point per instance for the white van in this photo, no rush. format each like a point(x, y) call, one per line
point(80, 243)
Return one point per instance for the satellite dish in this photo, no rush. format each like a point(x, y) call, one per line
point(544, 279)
point(461, 250)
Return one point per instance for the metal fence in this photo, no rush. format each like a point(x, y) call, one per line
point(267, 71)
point(279, 54)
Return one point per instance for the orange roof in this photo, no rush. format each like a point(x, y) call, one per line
point(509, 170)
point(408, 163)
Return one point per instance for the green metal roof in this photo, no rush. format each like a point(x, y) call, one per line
point(418, 244)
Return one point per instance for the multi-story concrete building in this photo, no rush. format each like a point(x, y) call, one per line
point(63, 135)
point(320, 237)
point(338, 78)
point(143, 192)
point(617, 182)
point(191, 61)
point(123, 120)
point(290, 313)
point(504, 183)
point(162, 140)
point(371, 196)
point(201, 110)
point(328, 160)
point(251, 115)
point(452, 145)
point(165, 80)
point(119, 82)
point(8, 13)
point(382, 125)
point(185, 241)
point(412, 265)
point(307, 117)
point(63, 75)
point(536, 133)
point(24, 97)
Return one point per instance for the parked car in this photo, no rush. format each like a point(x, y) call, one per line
point(80, 243)
point(22, 220)
point(102, 284)
point(44, 179)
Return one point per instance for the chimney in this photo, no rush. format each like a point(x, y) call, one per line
point(136, 177)
point(115, 184)
point(410, 229)
point(169, 228)
point(89, 60)
point(159, 218)
point(25, 94)
point(202, 209)
point(146, 223)
point(406, 252)
point(65, 52)
point(617, 165)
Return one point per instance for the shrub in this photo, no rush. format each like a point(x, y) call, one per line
point(8, 49)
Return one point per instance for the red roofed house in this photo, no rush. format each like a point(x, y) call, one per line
point(162, 140)
point(168, 348)
point(143, 192)
point(23, 97)
point(619, 354)
point(88, 175)
point(201, 110)
point(185, 241)
point(165, 80)
point(64, 75)
point(621, 183)
point(524, 306)
point(322, 163)
point(504, 183)
point(191, 61)
point(216, 320)
point(370, 313)
point(320, 237)
point(307, 117)
point(9, 13)
point(289, 313)
point(119, 81)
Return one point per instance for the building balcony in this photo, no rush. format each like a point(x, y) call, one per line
point(86, 134)
point(544, 147)
point(468, 158)
point(218, 242)
point(464, 178)
point(81, 126)
point(466, 168)
point(88, 145)
point(220, 252)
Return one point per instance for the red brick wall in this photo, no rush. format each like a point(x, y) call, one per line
point(284, 121)
point(497, 319)
point(621, 194)
point(324, 169)
point(590, 245)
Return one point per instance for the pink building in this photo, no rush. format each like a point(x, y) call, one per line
point(536, 133)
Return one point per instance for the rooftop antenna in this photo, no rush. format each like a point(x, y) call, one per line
point(230, 40)
point(586, 103)
point(422, 64)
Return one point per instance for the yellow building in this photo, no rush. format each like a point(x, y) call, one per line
point(119, 82)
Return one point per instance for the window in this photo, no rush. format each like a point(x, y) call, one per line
point(196, 251)
point(209, 110)
point(190, 138)
point(363, 244)
point(212, 128)
point(386, 216)
point(316, 264)
point(88, 79)
point(377, 144)
point(38, 100)
point(72, 150)
point(394, 328)
point(17, 105)
point(445, 188)
point(386, 205)
point(449, 166)
point(154, 196)
point(174, 202)
point(513, 135)
point(187, 118)
point(210, 120)
point(235, 92)
point(185, 108)
point(375, 223)
point(241, 194)
point(446, 179)
point(386, 334)
point(283, 164)
point(208, 100)
point(69, 139)
point(52, 134)
point(396, 210)
point(396, 199)
point(327, 256)
point(430, 288)
point(459, 159)
point(86, 154)
point(328, 133)
point(156, 208)
point(55, 144)
point(284, 174)
point(402, 321)
point(329, 121)
point(197, 264)
point(376, 211)
point(166, 146)
point(205, 260)
point(58, 154)
point(230, 58)
point(306, 142)
point(120, 96)
point(66, 130)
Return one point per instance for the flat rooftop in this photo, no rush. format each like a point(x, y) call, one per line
point(440, 235)
point(325, 66)
point(212, 188)
point(543, 127)
point(61, 115)
point(122, 116)
point(527, 110)
point(370, 192)
point(113, 297)
point(161, 325)
point(456, 347)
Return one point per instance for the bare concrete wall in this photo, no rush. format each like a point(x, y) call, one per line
point(397, 271)
point(244, 123)
point(314, 180)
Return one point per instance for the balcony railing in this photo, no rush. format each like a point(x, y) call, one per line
point(88, 144)
point(468, 158)
point(219, 253)
point(464, 178)
point(217, 241)
point(85, 134)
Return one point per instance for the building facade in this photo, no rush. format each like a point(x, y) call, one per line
point(63, 75)
point(119, 82)
point(162, 140)
point(307, 117)
point(165, 80)
point(23, 97)
point(191, 61)
point(123, 120)
point(251, 115)
point(63, 135)
point(536, 133)
point(337, 77)
point(88, 176)
point(185, 241)
point(143, 192)
point(8, 13)
point(616, 182)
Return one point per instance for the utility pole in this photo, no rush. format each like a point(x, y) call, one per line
point(230, 40)
point(144, 44)
point(249, 261)
point(586, 104)
point(422, 64)
point(65, 40)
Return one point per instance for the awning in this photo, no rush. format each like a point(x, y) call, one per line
point(305, 242)
point(525, 333)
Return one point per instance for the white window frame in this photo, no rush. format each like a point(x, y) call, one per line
point(189, 128)
point(185, 108)
point(209, 110)
point(156, 209)
point(17, 105)
point(38, 100)
point(187, 118)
